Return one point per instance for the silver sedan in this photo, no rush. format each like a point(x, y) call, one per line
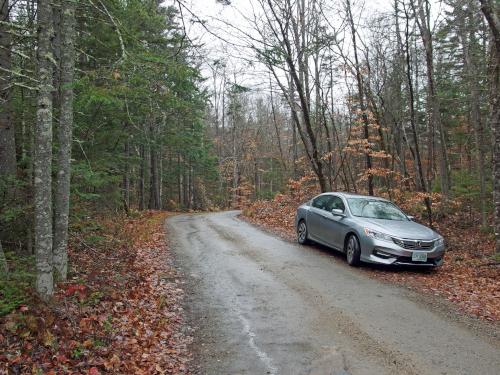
point(368, 229)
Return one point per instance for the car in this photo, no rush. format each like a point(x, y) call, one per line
point(368, 229)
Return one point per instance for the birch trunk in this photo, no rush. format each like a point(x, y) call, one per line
point(65, 135)
point(43, 155)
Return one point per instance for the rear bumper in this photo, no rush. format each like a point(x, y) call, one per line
point(384, 252)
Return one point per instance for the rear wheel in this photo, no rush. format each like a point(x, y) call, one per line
point(353, 251)
point(302, 233)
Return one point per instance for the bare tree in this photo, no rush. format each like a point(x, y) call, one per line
point(411, 103)
point(422, 14)
point(361, 97)
point(290, 35)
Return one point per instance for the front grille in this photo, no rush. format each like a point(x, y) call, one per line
point(413, 244)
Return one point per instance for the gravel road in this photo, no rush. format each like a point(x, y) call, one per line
point(261, 305)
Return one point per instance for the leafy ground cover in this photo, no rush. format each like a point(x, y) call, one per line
point(120, 311)
point(470, 276)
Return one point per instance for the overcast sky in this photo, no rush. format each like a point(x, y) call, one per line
point(222, 41)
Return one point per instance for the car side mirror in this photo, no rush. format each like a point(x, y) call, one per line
point(337, 212)
point(412, 218)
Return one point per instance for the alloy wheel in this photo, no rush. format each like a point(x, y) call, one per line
point(351, 246)
point(353, 251)
point(302, 232)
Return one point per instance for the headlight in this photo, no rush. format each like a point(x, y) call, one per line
point(440, 241)
point(377, 235)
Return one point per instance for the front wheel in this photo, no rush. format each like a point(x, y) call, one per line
point(353, 251)
point(302, 233)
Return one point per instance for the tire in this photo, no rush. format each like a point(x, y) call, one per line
point(353, 251)
point(302, 233)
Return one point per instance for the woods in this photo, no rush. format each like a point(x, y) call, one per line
point(102, 111)
point(111, 107)
point(393, 103)
point(112, 111)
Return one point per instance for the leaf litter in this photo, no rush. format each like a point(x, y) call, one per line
point(120, 311)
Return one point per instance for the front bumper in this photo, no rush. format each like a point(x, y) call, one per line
point(384, 252)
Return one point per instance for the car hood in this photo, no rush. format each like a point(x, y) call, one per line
point(402, 229)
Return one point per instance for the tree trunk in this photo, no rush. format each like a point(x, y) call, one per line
point(185, 185)
point(56, 54)
point(411, 103)
point(295, 152)
point(154, 178)
point(235, 166)
point(422, 17)
point(276, 128)
point(126, 176)
point(296, 71)
point(467, 34)
point(361, 99)
point(7, 134)
point(154, 186)
point(221, 142)
point(43, 155)
point(65, 136)
point(142, 178)
point(179, 180)
point(4, 269)
point(160, 192)
point(490, 11)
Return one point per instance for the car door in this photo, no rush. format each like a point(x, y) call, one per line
point(333, 226)
point(316, 217)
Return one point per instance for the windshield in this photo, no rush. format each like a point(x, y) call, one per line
point(375, 209)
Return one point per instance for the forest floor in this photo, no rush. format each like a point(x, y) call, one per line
point(120, 311)
point(469, 277)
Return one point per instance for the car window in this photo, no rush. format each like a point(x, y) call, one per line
point(328, 203)
point(321, 202)
point(337, 204)
point(375, 209)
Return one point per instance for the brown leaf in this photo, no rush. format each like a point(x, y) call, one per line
point(88, 343)
point(49, 339)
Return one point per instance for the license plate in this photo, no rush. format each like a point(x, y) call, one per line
point(419, 256)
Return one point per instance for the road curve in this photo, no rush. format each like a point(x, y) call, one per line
point(260, 305)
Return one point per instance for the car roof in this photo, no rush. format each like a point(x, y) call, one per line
point(353, 195)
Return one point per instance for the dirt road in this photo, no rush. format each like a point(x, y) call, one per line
point(261, 305)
